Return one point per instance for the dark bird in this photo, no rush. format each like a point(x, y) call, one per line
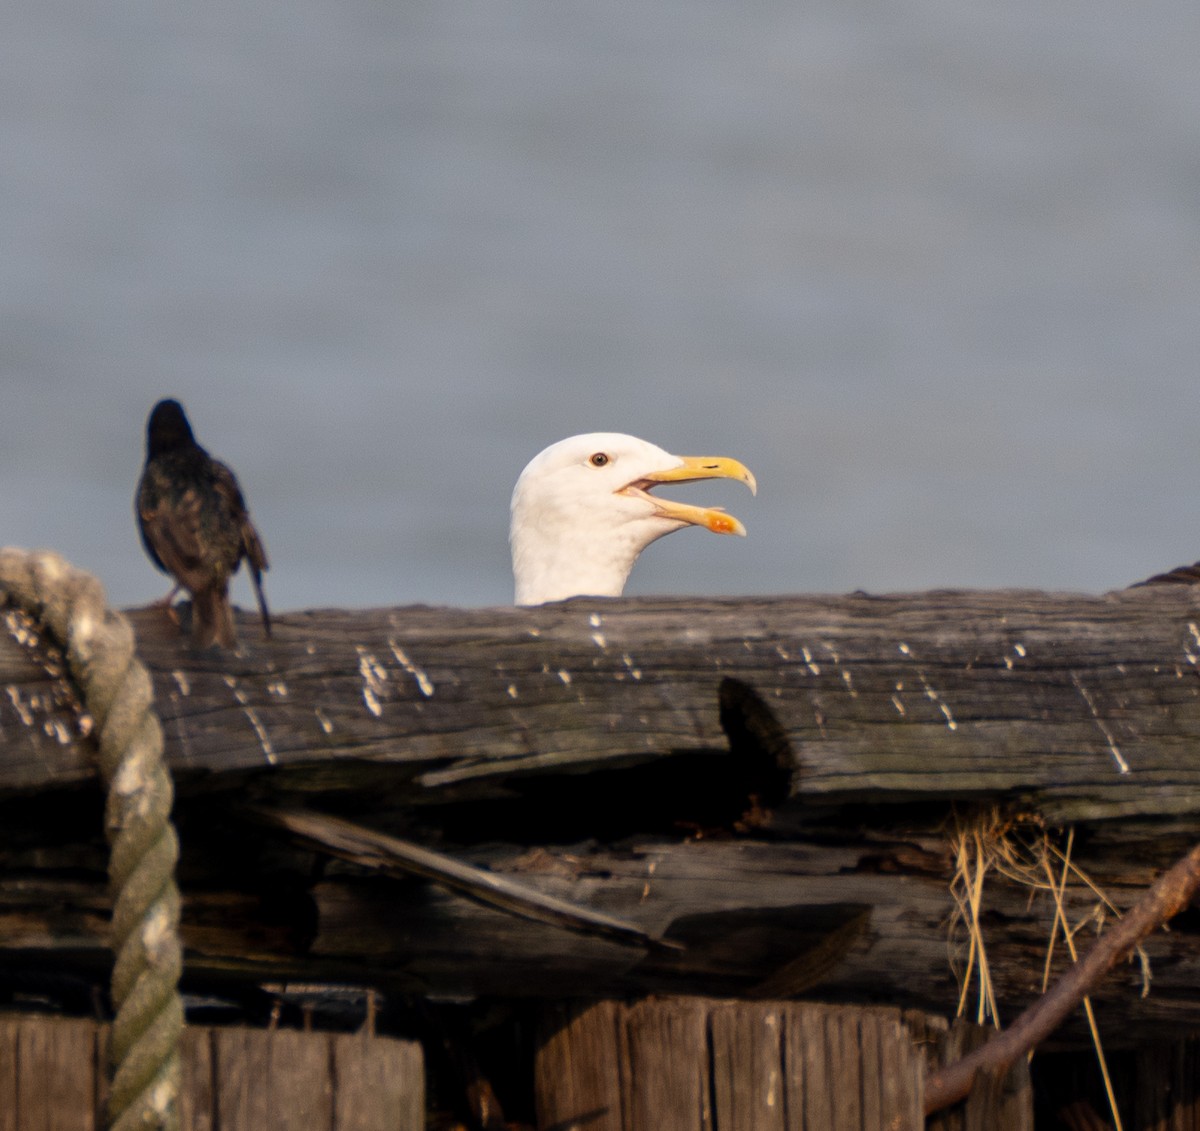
point(195, 525)
point(1180, 575)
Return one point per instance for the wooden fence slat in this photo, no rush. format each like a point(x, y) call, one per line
point(668, 1066)
point(696, 1064)
point(806, 1043)
point(577, 1071)
point(902, 1070)
point(845, 1080)
point(747, 1067)
point(301, 1080)
point(379, 1085)
point(242, 1062)
point(54, 1074)
point(8, 1074)
point(197, 1100)
point(279, 1080)
point(870, 1072)
point(995, 1104)
point(52, 1078)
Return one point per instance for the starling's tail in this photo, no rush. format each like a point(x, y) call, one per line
point(256, 559)
point(212, 618)
point(256, 577)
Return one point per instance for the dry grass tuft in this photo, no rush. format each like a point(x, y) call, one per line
point(1022, 851)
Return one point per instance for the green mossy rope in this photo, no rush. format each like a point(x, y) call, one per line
point(116, 692)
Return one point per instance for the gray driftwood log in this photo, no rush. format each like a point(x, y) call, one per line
point(771, 784)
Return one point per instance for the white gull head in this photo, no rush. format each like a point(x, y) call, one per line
point(582, 512)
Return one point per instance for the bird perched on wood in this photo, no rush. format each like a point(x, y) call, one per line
point(582, 512)
point(195, 525)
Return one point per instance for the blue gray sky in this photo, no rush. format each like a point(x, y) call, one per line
point(932, 270)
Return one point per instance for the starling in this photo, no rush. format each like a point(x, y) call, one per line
point(195, 526)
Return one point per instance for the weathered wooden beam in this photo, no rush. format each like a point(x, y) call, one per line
point(744, 912)
point(1085, 707)
point(557, 746)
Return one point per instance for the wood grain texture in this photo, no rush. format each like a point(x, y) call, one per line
point(578, 1066)
point(379, 1085)
point(1086, 705)
point(236, 1079)
point(729, 1066)
point(48, 1075)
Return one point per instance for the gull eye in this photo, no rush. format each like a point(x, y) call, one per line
point(599, 459)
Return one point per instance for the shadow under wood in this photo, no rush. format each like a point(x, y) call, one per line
point(704, 793)
point(770, 952)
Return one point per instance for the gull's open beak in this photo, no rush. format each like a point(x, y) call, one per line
point(695, 468)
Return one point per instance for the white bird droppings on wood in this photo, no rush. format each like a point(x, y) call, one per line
point(23, 712)
point(243, 701)
point(1114, 750)
point(373, 677)
point(930, 693)
point(424, 683)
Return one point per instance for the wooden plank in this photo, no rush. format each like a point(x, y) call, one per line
point(103, 1083)
point(56, 1086)
point(380, 1084)
point(747, 1067)
point(996, 1103)
point(301, 1081)
point(232, 1079)
point(767, 1066)
point(870, 1071)
point(944, 694)
point(278, 1079)
point(667, 1080)
point(9, 1074)
point(578, 1066)
point(808, 1044)
point(197, 1088)
point(242, 1063)
point(902, 1069)
point(845, 1068)
point(737, 905)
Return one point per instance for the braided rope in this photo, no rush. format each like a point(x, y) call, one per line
point(117, 693)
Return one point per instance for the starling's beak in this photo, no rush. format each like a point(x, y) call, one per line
point(694, 468)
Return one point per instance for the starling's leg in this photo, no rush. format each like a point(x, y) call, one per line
point(167, 607)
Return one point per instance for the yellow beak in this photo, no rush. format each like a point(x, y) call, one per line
point(695, 468)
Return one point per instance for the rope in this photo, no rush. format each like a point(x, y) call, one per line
point(117, 694)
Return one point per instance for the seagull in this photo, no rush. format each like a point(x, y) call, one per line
point(582, 512)
point(195, 525)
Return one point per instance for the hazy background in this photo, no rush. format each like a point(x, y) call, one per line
point(931, 269)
